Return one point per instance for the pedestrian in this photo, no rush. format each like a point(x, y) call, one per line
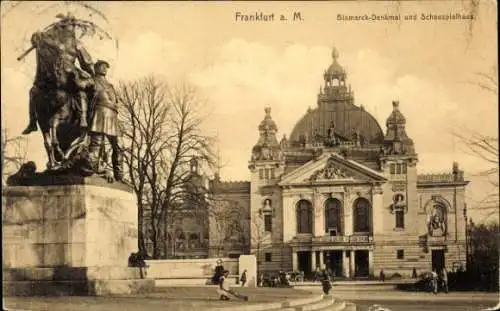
point(414, 273)
point(434, 282)
point(243, 278)
point(224, 292)
point(382, 275)
point(219, 269)
point(327, 285)
point(260, 280)
point(444, 279)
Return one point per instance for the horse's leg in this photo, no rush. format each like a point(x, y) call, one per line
point(48, 147)
point(55, 141)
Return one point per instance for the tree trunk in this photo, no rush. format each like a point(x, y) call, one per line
point(140, 233)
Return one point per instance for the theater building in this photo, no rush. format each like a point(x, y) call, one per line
point(341, 192)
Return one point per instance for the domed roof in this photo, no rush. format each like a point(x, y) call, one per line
point(335, 69)
point(347, 118)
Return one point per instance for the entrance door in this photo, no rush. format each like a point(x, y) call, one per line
point(362, 268)
point(304, 262)
point(437, 259)
point(333, 261)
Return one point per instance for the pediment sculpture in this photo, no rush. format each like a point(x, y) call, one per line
point(330, 171)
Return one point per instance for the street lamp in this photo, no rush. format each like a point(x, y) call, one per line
point(466, 238)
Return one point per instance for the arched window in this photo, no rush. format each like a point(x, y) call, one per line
point(361, 215)
point(333, 217)
point(304, 217)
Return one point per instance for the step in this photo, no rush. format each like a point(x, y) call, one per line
point(336, 306)
point(350, 306)
point(320, 304)
point(276, 306)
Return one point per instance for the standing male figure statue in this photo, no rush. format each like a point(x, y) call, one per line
point(57, 52)
point(104, 122)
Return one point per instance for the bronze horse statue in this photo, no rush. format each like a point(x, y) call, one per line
point(60, 93)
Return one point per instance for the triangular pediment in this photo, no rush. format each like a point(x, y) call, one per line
point(331, 168)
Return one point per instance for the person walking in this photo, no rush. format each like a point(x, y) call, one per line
point(382, 275)
point(434, 282)
point(219, 271)
point(414, 273)
point(243, 278)
point(444, 279)
point(327, 285)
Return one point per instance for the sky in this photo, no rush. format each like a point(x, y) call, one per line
point(431, 67)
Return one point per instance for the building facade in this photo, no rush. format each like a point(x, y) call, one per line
point(342, 193)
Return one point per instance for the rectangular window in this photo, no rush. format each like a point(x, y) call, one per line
point(273, 173)
point(393, 169)
point(398, 168)
point(268, 257)
point(400, 219)
point(268, 223)
point(267, 173)
point(261, 174)
point(404, 168)
point(400, 254)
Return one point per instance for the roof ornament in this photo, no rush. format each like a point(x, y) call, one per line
point(335, 54)
point(267, 110)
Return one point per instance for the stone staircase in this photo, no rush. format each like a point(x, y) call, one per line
point(315, 303)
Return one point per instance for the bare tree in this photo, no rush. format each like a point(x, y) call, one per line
point(485, 147)
point(228, 226)
point(13, 153)
point(260, 239)
point(161, 130)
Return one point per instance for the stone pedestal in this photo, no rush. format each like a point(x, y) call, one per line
point(249, 263)
point(69, 239)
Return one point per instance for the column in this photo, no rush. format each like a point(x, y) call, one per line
point(321, 259)
point(345, 265)
point(295, 261)
point(377, 208)
point(319, 215)
point(313, 261)
point(370, 263)
point(352, 266)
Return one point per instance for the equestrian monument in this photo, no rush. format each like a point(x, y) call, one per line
point(70, 229)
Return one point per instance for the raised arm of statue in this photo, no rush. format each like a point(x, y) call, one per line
point(84, 59)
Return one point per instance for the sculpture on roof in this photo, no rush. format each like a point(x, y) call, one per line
point(267, 148)
point(330, 171)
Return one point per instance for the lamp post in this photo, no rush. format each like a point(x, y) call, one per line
point(466, 238)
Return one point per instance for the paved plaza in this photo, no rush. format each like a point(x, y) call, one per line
point(168, 298)
point(201, 298)
point(366, 296)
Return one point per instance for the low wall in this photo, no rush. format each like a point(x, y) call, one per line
point(188, 268)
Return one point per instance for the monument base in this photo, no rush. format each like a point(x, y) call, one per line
point(70, 240)
point(66, 281)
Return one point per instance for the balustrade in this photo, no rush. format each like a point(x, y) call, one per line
point(343, 239)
